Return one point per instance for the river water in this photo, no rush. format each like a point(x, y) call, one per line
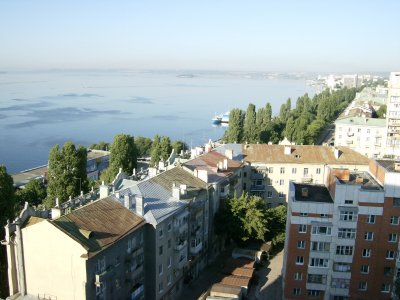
point(40, 109)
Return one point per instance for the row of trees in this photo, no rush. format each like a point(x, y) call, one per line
point(246, 219)
point(301, 125)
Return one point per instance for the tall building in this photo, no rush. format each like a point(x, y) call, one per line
point(343, 236)
point(393, 115)
point(94, 252)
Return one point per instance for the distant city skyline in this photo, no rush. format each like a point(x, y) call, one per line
point(284, 36)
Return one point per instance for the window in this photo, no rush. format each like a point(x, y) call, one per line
point(364, 269)
point(341, 267)
point(371, 219)
point(320, 246)
point(385, 288)
point(305, 171)
point(269, 194)
point(322, 230)
point(388, 271)
point(396, 202)
point(294, 170)
point(394, 220)
point(316, 278)
point(313, 293)
point(298, 276)
point(347, 215)
point(281, 195)
point(302, 228)
point(160, 269)
point(299, 260)
point(366, 253)
point(269, 181)
point(161, 233)
point(368, 130)
point(348, 201)
point(318, 170)
point(169, 243)
point(281, 182)
point(244, 185)
point(160, 287)
point(344, 250)
point(301, 244)
point(340, 283)
point(271, 170)
point(169, 226)
point(296, 291)
point(169, 279)
point(244, 174)
point(346, 233)
point(303, 214)
point(369, 236)
point(101, 265)
point(324, 216)
point(282, 170)
point(362, 285)
point(318, 262)
point(160, 250)
point(389, 254)
point(392, 237)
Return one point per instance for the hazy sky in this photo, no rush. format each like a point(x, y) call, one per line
point(299, 35)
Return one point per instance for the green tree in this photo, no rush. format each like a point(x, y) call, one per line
point(250, 131)
point(178, 146)
point(7, 197)
point(165, 147)
point(155, 151)
point(143, 146)
point(66, 173)
point(276, 221)
point(234, 133)
point(100, 146)
point(381, 112)
point(123, 154)
point(34, 192)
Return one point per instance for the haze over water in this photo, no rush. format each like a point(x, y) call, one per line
point(40, 109)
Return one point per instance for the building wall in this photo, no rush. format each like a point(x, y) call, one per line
point(48, 251)
point(393, 115)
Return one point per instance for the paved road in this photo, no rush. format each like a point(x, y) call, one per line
point(270, 280)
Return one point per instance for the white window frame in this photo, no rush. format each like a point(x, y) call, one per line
point(299, 260)
point(366, 252)
point(369, 236)
point(302, 228)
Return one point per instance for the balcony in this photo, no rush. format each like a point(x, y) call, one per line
point(182, 261)
point(257, 188)
point(137, 292)
point(196, 249)
point(180, 245)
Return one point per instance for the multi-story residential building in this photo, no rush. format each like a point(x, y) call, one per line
point(176, 207)
point(393, 115)
point(350, 81)
point(364, 135)
point(94, 252)
point(270, 168)
point(342, 237)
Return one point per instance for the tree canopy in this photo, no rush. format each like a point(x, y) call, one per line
point(34, 192)
point(66, 173)
point(7, 198)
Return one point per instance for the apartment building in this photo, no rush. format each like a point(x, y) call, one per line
point(176, 207)
point(94, 252)
point(343, 236)
point(270, 168)
point(393, 115)
point(364, 135)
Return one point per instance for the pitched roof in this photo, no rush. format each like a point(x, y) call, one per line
point(99, 224)
point(157, 193)
point(360, 121)
point(300, 154)
point(209, 162)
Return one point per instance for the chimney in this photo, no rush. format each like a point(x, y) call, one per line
point(183, 189)
point(203, 175)
point(287, 150)
point(359, 180)
point(176, 192)
point(55, 213)
point(225, 164)
point(57, 203)
point(103, 190)
point(139, 205)
point(397, 166)
point(304, 192)
point(127, 202)
point(229, 153)
point(337, 153)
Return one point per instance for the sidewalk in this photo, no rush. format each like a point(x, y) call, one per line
point(209, 276)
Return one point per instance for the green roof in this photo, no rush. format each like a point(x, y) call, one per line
point(360, 121)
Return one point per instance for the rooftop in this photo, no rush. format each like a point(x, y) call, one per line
point(236, 280)
point(209, 162)
point(301, 154)
point(312, 193)
point(99, 224)
point(363, 179)
point(360, 121)
point(390, 165)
